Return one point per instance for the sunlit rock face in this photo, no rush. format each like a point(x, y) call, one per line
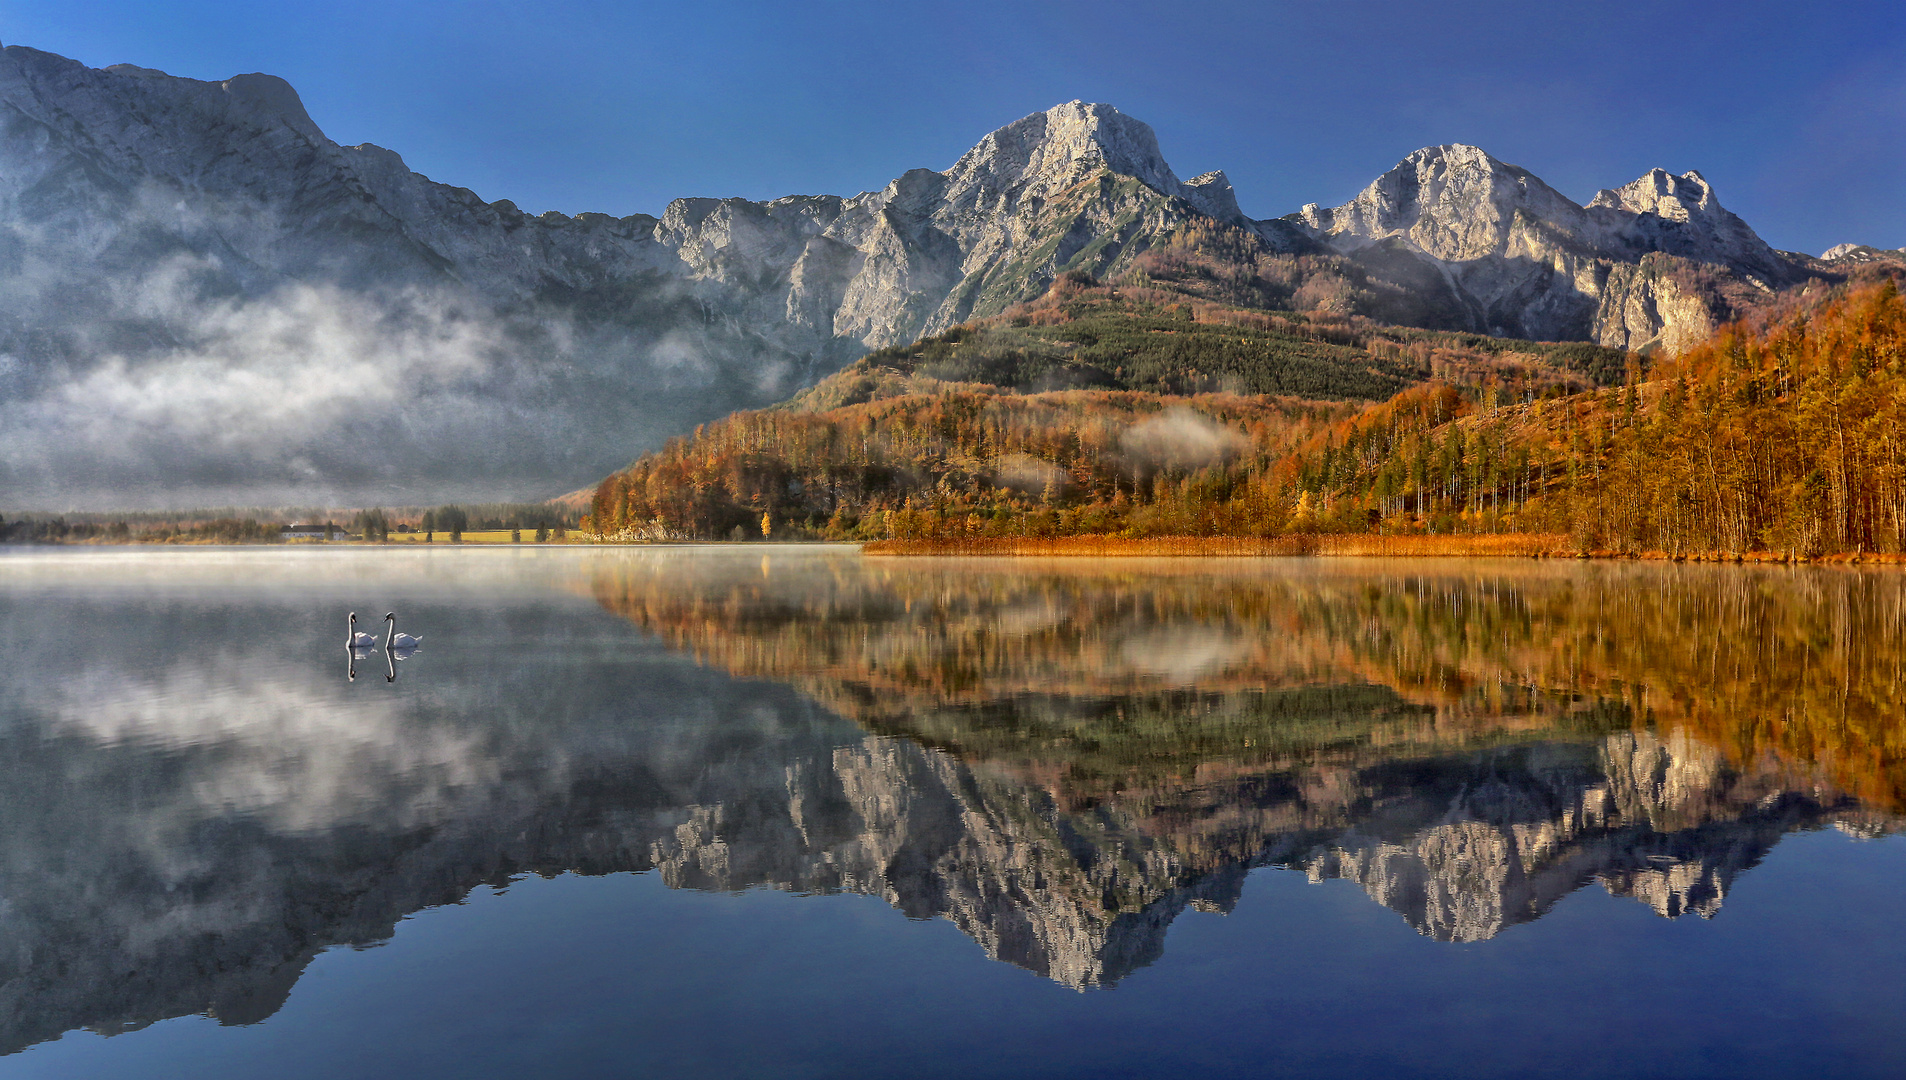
point(1526, 261)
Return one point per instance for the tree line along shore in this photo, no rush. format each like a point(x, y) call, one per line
point(1461, 545)
point(1782, 437)
point(479, 523)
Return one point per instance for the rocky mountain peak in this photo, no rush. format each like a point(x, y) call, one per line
point(1659, 192)
point(1452, 157)
point(1450, 163)
point(1520, 259)
point(1453, 202)
point(1211, 193)
point(1860, 253)
point(1050, 151)
point(1681, 215)
point(268, 96)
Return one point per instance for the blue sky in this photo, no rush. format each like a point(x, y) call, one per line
point(1796, 112)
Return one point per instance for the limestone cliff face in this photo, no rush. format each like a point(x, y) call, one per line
point(1452, 203)
point(1527, 261)
point(1645, 308)
point(1080, 186)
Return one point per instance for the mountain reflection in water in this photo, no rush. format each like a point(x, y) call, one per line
point(1059, 757)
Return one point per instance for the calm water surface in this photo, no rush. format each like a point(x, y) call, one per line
point(785, 812)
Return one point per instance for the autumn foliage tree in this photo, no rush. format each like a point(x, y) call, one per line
point(1787, 434)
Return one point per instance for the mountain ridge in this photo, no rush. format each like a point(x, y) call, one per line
point(153, 228)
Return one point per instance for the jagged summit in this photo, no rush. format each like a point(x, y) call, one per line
point(1045, 153)
point(1452, 202)
point(1860, 253)
point(1049, 150)
point(1660, 192)
point(1521, 259)
point(1681, 215)
point(1211, 192)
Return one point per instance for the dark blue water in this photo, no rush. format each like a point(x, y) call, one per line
point(695, 813)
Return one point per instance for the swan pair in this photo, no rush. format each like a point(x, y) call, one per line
point(392, 639)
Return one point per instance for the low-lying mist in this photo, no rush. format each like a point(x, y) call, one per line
point(1180, 438)
point(170, 388)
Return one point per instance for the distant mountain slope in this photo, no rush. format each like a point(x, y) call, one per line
point(1655, 264)
point(204, 299)
point(1092, 409)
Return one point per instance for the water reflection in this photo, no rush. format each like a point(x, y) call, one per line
point(1467, 741)
point(1060, 758)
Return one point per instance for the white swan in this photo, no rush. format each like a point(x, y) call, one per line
point(395, 640)
point(358, 639)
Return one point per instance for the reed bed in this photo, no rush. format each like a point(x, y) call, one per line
point(1527, 545)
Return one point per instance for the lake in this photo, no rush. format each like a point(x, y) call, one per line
point(783, 811)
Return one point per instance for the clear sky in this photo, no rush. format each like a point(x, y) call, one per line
point(1795, 111)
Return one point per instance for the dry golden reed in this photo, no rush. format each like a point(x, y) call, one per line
point(1503, 544)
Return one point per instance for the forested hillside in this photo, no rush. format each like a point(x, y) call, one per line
point(1093, 409)
point(1117, 412)
point(1788, 435)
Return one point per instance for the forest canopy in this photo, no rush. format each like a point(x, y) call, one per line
point(1104, 412)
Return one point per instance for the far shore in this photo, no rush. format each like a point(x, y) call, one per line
point(1413, 545)
point(1370, 545)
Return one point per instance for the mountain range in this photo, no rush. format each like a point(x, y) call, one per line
point(204, 299)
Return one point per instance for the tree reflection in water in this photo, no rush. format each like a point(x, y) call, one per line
point(1058, 757)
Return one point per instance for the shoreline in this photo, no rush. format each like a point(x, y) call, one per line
point(1502, 545)
point(1326, 545)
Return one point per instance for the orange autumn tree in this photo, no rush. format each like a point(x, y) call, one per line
point(1785, 434)
point(1789, 437)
